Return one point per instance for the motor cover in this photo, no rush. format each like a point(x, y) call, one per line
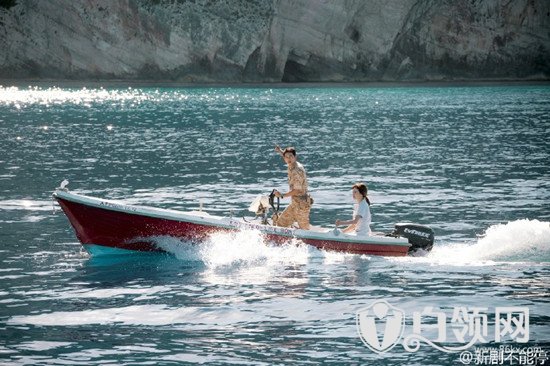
point(419, 236)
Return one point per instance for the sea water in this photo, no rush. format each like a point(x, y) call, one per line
point(470, 162)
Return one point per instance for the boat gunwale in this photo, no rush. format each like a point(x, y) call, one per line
point(230, 223)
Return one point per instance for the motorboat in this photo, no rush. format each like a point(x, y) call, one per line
point(103, 225)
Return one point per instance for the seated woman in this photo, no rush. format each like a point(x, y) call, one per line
point(360, 224)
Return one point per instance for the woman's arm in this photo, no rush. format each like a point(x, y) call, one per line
point(350, 229)
point(349, 222)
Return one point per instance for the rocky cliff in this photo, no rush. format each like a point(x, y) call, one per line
point(273, 41)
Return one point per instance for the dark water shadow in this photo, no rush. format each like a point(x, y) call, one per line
point(143, 269)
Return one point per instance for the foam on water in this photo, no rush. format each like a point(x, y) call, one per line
point(519, 241)
point(516, 241)
point(244, 247)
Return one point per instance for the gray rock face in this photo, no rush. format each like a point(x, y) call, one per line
point(273, 41)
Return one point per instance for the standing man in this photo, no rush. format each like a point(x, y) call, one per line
point(298, 210)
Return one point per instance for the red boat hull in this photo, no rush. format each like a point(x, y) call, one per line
point(114, 229)
point(110, 226)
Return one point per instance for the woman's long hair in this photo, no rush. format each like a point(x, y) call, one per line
point(362, 188)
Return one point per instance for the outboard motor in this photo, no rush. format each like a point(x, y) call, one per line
point(419, 236)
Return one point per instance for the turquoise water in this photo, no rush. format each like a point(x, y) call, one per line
point(471, 162)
